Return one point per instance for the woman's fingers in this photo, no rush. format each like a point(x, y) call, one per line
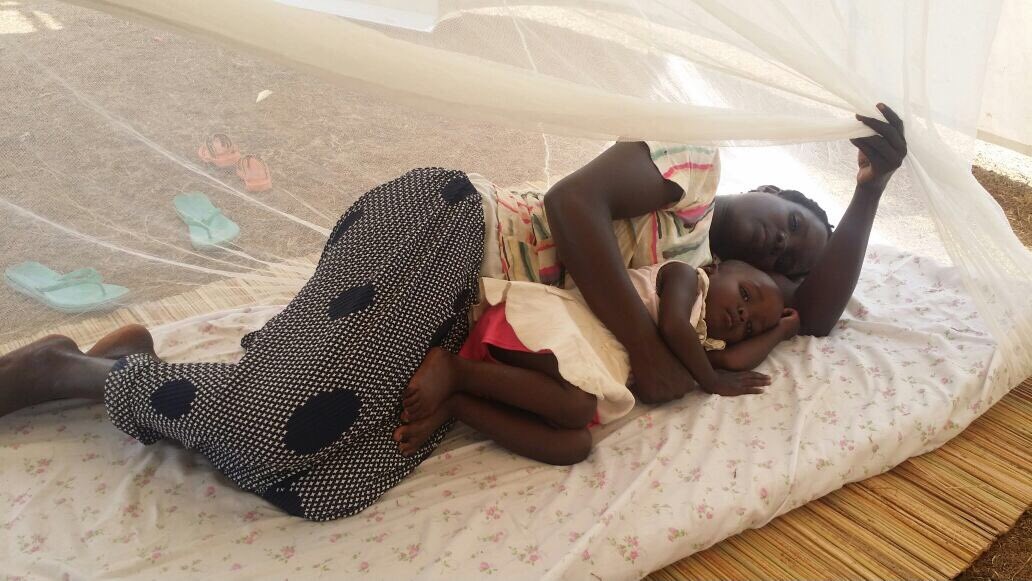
point(889, 132)
point(880, 155)
point(864, 142)
point(885, 151)
point(867, 150)
point(893, 119)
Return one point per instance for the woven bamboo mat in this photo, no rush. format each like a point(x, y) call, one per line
point(928, 518)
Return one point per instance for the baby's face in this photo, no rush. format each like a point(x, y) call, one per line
point(743, 301)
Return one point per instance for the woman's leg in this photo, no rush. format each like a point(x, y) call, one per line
point(127, 340)
point(49, 369)
point(54, 368)
point(309, 411)
point(516, 430)
point(527, 381)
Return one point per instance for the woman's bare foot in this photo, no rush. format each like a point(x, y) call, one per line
point(30, 375)
point(411, 436)
point(127, 340)
point(430, 386)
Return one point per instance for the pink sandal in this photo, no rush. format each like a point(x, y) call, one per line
point(255, 173)
point(219, 150)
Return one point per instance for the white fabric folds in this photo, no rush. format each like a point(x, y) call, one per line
point(699, 71)
point(105, 106)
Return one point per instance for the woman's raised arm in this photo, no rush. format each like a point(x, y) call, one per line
point(622, 182)
point(822, 296)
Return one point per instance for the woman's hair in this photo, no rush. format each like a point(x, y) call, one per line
point(799, 198)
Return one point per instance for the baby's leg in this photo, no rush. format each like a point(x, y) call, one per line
point(521, 432)
point(528, 381)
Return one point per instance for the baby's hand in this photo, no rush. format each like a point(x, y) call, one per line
point(788, 324)
point(731, 383)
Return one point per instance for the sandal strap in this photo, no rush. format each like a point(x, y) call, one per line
point(224, 141)
point(75, 278)
point(205, 222)
point(209, 145)
point(247, 159)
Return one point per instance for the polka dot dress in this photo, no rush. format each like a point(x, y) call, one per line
point(305, 418)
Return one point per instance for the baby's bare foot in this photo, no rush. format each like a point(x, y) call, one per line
point(28, 375)
point(429, 386)
point(411, 436)
point(128, 340)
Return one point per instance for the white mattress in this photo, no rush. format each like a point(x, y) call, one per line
point(908, 368)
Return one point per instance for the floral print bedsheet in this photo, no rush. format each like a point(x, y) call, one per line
point(908, 367)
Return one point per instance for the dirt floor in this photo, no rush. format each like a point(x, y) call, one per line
point(1008, 559)
point(1008, 177)
point(94, 140)
point(102, 128)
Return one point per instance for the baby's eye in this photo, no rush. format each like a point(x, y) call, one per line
point(793, 222)
point(745, 293)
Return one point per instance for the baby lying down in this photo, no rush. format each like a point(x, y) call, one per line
point(539, 369)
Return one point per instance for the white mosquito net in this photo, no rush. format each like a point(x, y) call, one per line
point(105, 103)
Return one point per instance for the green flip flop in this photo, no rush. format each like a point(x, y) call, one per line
point(208, 226)
point(79, 291)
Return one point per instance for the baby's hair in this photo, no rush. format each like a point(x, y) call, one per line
point(799, 198)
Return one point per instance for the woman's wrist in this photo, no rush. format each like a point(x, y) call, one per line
point(871, 191)
point(866, 199)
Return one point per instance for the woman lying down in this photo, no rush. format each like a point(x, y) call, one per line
point(721, 321)
point(351, 386)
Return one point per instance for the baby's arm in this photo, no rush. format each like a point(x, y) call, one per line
point(678, 288)
point(747, 354)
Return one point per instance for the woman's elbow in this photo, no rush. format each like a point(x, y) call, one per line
point(558, 201)
point(821, 329)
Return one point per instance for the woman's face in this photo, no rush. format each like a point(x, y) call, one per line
point(769, 233)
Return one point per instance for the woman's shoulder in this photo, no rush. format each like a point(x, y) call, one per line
point(696, 168)
point(669, 155)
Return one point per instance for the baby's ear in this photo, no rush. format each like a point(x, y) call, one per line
point(710, 269)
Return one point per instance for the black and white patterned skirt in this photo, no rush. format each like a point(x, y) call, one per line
point(305, 419)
